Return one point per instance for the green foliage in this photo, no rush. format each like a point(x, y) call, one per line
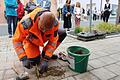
point(78, 29)
point(86, 29)
point(106, 27)
point(118, 27)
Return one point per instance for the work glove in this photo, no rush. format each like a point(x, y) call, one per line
point(54, 57)
point(43, 66)
point(26, 63)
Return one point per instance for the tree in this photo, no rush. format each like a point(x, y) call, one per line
point(118, 13)
point(54, 7)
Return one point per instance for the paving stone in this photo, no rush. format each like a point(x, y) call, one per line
point(116, 78)
point(49, 78)
point(1, 75)
point(112, 51)
point(69, 78)
point(103, 73)
point(101, 53)
point(107, 60)
point(11, 79)
point(115, 56)
point(64, 79)
point(18, 66)
point(93, 56)
point(85, 76)
point(96, 63)
point(114, 68)
point(89, 68)
point(69, 72)
point(69, 40)
point(118, 63)
point(9, 74)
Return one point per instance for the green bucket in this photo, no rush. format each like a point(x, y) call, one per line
point(78, 62)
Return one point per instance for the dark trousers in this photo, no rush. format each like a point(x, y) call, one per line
point(94, 17)
point(106, 16)
point(10, 20)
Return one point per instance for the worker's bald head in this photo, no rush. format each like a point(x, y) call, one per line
point(46, 21)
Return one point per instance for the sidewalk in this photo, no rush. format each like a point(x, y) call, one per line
point(104, 61)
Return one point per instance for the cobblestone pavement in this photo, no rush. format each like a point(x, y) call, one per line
point(103, 64)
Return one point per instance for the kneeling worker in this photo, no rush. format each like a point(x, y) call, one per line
point(35, 29)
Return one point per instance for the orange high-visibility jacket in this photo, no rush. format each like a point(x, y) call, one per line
point(27, 31)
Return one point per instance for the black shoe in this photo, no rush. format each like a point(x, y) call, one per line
point(10, 36)
point(54, 56)
point(68, 29)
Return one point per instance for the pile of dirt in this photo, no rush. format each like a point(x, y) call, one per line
point(78, 52)
point(53, 71)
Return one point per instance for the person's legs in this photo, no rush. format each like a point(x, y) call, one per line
point(62, 34)
point(9, 21)
point(104, 18)
point(14, 23)
point(78, 22)
point(107, 17)
point(93, 17)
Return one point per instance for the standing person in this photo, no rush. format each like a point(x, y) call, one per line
point(83, 11)
point(102, 15)
point(106, 11)
point(77, 12)
point(88, 14)
point(45, 4)
point(20, 10)
point(67, 13)
point(30, 6)
point(11, 13)
point(94, 14)
point(34, 30)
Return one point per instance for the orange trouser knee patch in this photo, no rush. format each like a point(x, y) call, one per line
point(31, 50)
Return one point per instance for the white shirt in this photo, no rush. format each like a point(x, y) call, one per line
point(77, 11)
point(44, 2)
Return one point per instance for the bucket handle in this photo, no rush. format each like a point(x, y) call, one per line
point(81, 60)
point(76, 62)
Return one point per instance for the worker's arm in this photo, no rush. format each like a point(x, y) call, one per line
point(52, 43)
point(18, 38)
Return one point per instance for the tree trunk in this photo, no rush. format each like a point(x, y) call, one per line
point(118, 13)
point(54, 7)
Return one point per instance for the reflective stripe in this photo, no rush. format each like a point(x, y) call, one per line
point(53, 44)
point(20, 51)
point(17, 44)
point(50, 50)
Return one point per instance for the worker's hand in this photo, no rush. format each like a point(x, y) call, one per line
point(27, 64)
point(43, 66)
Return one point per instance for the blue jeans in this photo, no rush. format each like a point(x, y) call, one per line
point(10, 20)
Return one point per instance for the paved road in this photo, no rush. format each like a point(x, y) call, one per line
point(3, 29)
